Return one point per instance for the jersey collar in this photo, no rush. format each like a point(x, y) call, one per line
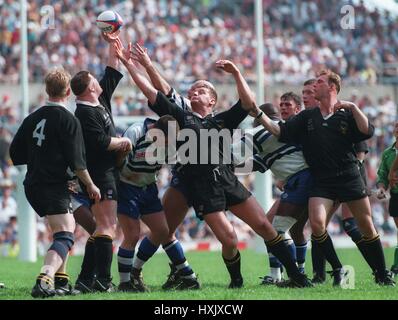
point(55, 104)
point(87, 103)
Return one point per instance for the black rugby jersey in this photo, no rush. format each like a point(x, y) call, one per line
point(327, 143)
point(49, 141)
point(186, 119)
point(98, 128)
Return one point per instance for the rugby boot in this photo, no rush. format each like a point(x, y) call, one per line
point(85, 285)
point(172, 279)
point(44, 287)
point(137, 281)
point(236, 283)
point(384, 278)
point(187, 283)
point(104, 285)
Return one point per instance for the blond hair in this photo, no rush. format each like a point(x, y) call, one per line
point(205, 84)
point(57, 83)
point(333, 78)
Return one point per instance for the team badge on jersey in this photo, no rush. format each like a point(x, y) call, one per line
point(343, 127)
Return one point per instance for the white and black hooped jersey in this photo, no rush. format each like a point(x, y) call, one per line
point(282, 159)
point(136, 169)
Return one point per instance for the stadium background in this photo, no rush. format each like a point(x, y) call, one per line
point(185, 38)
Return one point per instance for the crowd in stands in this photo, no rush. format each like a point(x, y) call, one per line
point(185, 38)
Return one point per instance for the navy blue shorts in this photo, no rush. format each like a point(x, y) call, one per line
point(135, 201)
point(297, 188)
point(177, 183)
point(80, 199)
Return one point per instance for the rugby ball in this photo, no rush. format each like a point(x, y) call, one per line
point(109, 21)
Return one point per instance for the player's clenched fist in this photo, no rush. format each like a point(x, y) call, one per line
point(93, 192)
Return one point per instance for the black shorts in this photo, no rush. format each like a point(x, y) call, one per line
point(215, 192)
point(393, 205)
point(49, 200)
point(108, 190)
point(364, 176)
point(344, 188)
point(178, 184)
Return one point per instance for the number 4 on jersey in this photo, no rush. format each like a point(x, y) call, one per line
point(39, 132)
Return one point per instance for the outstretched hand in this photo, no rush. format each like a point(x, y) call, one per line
point(227, 65)
point(111, 37)
point(140, 55)
point(123, 54)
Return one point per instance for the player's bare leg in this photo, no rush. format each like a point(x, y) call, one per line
point(370, 245)
point(62, 227)
point(276, 268)
point(253, 214)
point(84, 217)
point(131, 235)
point(181, 274)
point(318, 214)
point(300, 240)
point(225, 233)
point(159, 232)
point(105, 217)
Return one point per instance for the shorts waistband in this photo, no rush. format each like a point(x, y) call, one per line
point(336, 173)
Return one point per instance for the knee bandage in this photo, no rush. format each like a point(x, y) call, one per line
point(63, 242)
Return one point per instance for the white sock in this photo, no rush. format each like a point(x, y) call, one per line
point(276, 274)
point(138, 263)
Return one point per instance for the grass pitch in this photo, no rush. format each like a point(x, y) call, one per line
point(19, 278)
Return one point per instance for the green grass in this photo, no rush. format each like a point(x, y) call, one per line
point(19, 278)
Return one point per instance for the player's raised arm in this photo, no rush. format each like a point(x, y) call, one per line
point(113, 60)
point(360, 118)
point(268, 124)
point(159, 103)
point(140, 55)
point(245, 94)
point(140, 80)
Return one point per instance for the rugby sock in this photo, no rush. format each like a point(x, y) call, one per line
point(301, 251)
point(351, 228)
point(103, 256)
point(279, 249)
point(372, 251)
point(125, 263)
point(326, 245)
point(88, 265)
point(275, 267)
point(318, 260)
point(233, 266)
point(61, 279)
point(175, 252)
point(145, 251)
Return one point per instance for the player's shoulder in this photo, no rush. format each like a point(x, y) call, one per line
point(137, 129)
point(179, 100)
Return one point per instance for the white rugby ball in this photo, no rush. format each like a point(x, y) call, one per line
point(109, 21)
